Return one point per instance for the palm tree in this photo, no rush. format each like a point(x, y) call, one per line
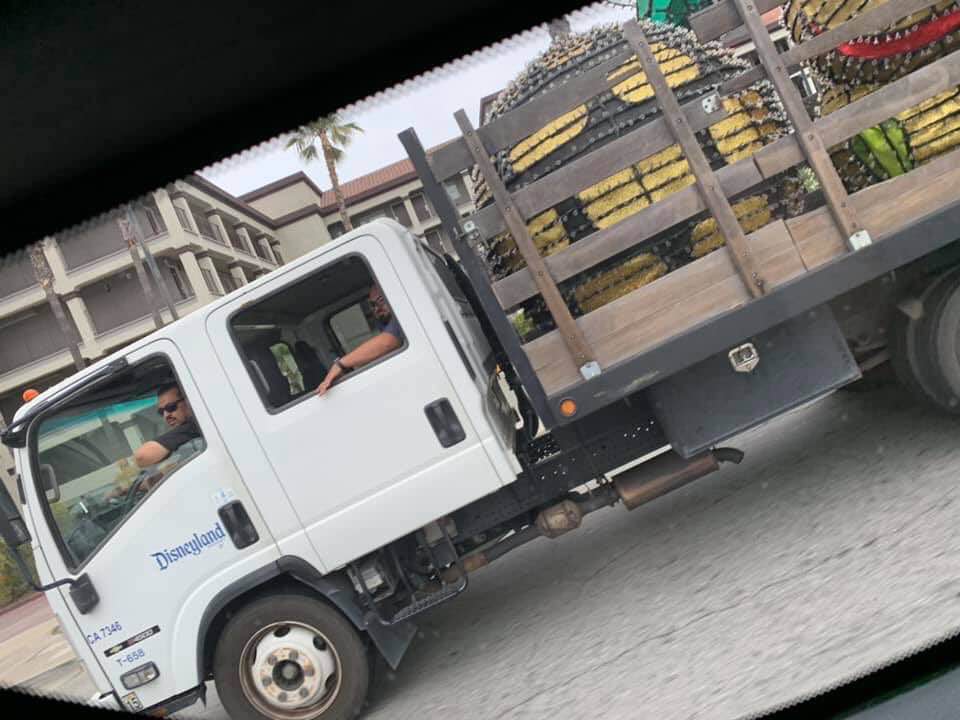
point(334, 136)
point(41, 270)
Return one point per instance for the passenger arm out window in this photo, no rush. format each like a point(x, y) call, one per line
point(291, 338)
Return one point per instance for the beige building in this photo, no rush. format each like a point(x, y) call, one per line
point(205, 243)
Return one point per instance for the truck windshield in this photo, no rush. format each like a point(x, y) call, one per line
point(85, 465)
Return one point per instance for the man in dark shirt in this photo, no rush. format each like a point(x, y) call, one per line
point(389, 339)
point(178, 416)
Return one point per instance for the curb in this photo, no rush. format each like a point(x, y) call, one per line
point(19, 603)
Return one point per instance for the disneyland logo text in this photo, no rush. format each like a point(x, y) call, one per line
point(194, 546)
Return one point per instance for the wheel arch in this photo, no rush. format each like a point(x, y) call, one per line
point(289, 572)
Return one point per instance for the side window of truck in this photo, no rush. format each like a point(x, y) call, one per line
point(97, 458)
point(326, 315)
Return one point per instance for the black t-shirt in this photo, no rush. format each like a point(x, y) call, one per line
point(185, 432)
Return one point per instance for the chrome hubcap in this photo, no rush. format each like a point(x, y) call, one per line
point(291, 671)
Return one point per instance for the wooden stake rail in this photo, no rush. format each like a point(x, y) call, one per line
point(757, 268)
point(810, 141)
point(576, 343)
point(710, 190)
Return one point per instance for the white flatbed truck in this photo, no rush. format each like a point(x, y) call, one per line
point(300, 536)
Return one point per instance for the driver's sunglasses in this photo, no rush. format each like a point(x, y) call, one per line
point(169, 407)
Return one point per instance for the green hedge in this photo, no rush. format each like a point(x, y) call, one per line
point(12, 584)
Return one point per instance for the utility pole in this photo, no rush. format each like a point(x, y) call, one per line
point(151, 262)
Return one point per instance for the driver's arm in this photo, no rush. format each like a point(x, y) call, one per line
point(150, 453)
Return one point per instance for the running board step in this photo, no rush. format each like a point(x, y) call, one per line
point(431, 600)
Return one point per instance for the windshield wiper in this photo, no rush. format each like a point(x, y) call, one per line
point(15, 435)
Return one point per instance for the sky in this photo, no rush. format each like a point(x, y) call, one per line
point(426, 103)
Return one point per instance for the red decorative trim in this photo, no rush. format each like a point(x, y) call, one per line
point(925, 34)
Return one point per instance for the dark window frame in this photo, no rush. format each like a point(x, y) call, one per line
point(307, 394)
point(154, 219)
point(184, 218)
point(179, 282)
point(209, 281)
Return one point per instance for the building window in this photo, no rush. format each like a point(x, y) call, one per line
point(178, 281)
point(456, 191)
point(154, 221)
point(184, 218)
point(421, 207)
point(336, 229)
point(203, 224)
point(211, 283)
point(453, 192)
point(401, 214)
point(226, 279)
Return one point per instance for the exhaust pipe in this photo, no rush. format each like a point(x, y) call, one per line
point(634, 488)
point(666, 473)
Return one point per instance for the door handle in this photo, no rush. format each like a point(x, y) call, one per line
point(444, 422)
point(238, 524)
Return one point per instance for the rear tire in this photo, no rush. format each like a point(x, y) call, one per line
point(289, 656)
point(921, 348)
point(944, 341)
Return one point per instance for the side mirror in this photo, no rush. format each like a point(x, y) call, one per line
point(12, 528)
point(48, 479)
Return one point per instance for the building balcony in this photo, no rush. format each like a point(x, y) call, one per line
point(115, 337)
point(20, 377)
point(82, 275)
point(21, 300)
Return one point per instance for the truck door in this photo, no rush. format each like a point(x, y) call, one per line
point(389, 448)
point(155, 544)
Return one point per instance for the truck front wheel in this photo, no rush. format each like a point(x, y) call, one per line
point(290, 657)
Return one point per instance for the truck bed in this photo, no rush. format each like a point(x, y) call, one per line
point(708, 305)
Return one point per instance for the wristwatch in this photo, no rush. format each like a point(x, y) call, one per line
point(340, 365)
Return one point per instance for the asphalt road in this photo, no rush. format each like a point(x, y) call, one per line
point(832, 549)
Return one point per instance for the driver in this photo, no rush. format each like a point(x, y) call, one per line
point(178, 415)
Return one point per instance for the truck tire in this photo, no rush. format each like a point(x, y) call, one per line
point(916, 342)
point(289, 656)
point(943, 339)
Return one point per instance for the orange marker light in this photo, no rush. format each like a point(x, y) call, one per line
point(568, 408)
point(29, 394)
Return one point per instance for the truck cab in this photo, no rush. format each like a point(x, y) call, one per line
point(278, 490)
